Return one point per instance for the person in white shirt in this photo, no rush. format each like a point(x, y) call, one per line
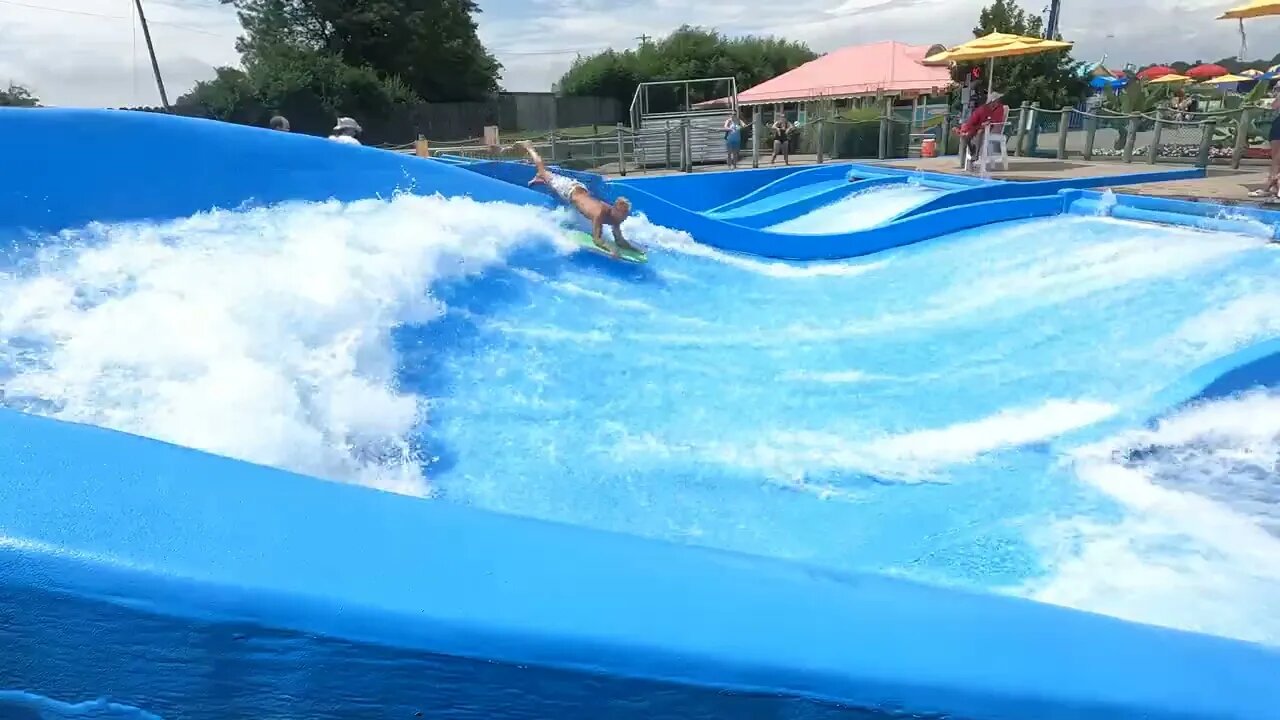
point(346, 131)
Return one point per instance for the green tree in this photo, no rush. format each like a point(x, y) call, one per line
point(687, 53)
point(18, 96)
point(310, 87)
point(1051, 79)
point(431, 45)
point(229, 96)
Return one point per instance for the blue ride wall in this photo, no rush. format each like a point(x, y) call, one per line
point(110, 165)
point(139, 579)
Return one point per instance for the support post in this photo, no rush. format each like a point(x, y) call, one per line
point(666, 137)
point(686, 145)
point(1033, 131)
point(1153, 152)
point(622, 156)
point(757, 127)
point(1090, 132)
point(1023, 114)
point(1207, 129)
point(1064, 126)
point(151, 50)
point(1242, 137)
point(1131, 137)
point(818, 132)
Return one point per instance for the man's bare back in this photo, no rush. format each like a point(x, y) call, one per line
point(598, 212)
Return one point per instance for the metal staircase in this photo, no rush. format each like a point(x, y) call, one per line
point(658, 122)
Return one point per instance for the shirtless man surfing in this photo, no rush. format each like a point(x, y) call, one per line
point(574, 193)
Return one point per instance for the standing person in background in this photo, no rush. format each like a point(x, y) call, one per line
point(781, 140)
point(346, 131)
point(1270, 192)
point(733, 140)
point(279, 122)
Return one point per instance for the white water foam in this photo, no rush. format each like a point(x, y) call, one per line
point(858, 211)
point(1250, 314)
point(1054, 274)
point(261, 335)
point(910, 457)
point(1198, 547)
point(678, 241)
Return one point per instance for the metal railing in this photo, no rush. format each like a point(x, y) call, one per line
point(1160, 136)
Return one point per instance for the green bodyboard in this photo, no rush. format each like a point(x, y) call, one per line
point(584, 239)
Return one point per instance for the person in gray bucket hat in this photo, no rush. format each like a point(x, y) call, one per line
point(346, 131)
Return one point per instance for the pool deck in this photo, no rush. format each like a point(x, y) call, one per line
point(1221, 185)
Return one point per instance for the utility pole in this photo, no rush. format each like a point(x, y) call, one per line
point(644, 39)
point(1051, 28)
point(155, 66)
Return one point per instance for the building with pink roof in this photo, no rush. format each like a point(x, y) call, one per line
point(880, 69)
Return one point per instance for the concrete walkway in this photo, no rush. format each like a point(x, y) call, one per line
point(1222, 184)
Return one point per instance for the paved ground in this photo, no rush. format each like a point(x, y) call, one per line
point(1222, 185)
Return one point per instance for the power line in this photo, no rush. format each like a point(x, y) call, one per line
point(86, 13)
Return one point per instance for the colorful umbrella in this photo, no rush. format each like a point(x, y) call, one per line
point(1155, 71)
point(1204, 72)
point(1168, 79)
point(1257, 8)
point(1227, 80)
point(997, 45)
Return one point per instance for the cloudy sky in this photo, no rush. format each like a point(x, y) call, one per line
point(89, 52)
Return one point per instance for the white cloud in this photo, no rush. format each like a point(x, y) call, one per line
point(90, 52)
point(87, 52)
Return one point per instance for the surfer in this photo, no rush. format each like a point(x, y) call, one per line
point(593, 209)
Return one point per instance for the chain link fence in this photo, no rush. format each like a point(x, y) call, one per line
point(1162, 136)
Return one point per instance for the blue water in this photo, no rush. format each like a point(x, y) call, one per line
point(900, 413)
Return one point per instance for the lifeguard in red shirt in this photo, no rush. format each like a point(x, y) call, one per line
point(991, 112)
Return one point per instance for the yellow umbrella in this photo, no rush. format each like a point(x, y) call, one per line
point(997, 45)
point(1226, 80)
point(1257, 8)
point(1170, 78)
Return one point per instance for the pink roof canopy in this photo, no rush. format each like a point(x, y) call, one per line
point(888, 67)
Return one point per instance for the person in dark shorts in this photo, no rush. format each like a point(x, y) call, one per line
point(781, 140)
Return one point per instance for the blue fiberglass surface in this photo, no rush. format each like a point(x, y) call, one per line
point(924, 413)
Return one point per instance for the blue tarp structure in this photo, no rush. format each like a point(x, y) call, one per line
point(1104, 82)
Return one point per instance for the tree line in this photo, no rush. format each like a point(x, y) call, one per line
point(313, 60)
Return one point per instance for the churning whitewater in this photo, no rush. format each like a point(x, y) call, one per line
point(902, 414)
